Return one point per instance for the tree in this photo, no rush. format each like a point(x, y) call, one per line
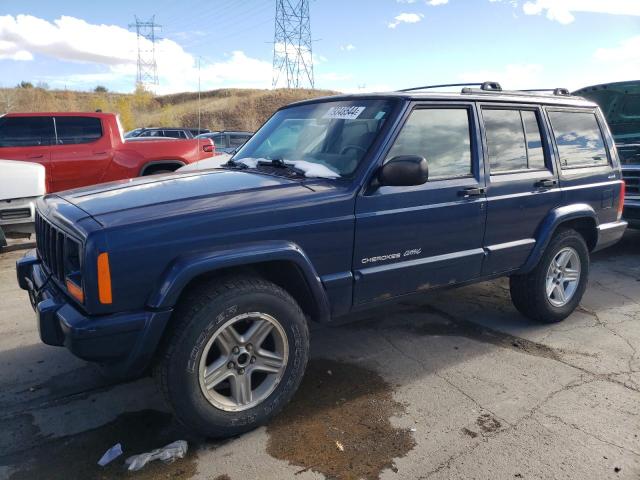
point(24, 84)
point(42, 85)
point(100, 89)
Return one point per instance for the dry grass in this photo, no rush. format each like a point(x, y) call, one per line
point(224, 109)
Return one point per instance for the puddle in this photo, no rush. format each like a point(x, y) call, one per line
point(76, 457)
point(340, 405)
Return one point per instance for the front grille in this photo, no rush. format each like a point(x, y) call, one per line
point(54, 247)
point(632, 179)
point(15, 214)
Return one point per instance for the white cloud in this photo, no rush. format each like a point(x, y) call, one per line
point(405, 18)
point(435, 3)
point(11, 51)
point(562, 10)
point(348, 47)
point(115, 48)
point(513, 76)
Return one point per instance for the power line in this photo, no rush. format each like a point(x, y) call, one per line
point(292, 52)
point(147, 73)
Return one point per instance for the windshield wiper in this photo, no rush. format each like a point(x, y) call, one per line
point(233, 164)
point(280, 163)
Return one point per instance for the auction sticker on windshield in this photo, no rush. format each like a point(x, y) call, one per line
point(344, 113)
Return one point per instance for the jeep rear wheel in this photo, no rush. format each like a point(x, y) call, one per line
point(235, 356)
point(554, 288)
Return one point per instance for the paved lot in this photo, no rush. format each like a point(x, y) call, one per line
point(456, 386)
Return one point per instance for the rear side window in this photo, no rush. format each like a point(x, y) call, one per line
point(75, 130)
point(26, 131)
point(220, 141)
point(579, 139)
point(237, 140)
point(441, 135)
point(513, 140)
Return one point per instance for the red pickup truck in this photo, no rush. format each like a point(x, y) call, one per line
point(79, 149)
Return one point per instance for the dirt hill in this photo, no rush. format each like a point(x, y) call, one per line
point(228, 109)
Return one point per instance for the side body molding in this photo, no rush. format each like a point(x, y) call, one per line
point(549, 225)
point(186, 267)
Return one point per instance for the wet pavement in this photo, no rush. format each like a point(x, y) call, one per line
point(456, 384)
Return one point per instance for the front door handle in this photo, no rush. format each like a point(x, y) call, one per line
point(546, 183)
point(31, 157)
point(472, 192)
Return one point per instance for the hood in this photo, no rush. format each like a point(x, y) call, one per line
point(160, 196)
point(21, 180)
point(213, 162)
point(620, 103)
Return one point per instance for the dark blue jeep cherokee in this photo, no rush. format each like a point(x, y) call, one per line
point(335, 205)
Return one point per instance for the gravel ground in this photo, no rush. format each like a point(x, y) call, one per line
point(455, 385)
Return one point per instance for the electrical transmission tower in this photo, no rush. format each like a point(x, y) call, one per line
point(292, 53)
point(147, 75)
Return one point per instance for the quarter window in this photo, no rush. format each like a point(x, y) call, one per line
point(513, 140)
point(75, 130)
point(441, 135)
point(26, 131)
point(579, 139)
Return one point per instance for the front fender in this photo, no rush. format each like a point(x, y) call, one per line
point(187, 267)
point(550, 224)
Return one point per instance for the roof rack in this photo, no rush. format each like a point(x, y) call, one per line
point(556, 91)
point(486, 86)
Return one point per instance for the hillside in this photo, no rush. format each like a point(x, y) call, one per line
point(224, 109)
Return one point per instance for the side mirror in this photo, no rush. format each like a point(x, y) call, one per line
point(404, 171)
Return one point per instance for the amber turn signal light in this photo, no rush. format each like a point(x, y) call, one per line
point(104, 279)
point(75, 291)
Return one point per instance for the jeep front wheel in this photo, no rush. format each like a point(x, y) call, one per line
point(553, 290)
point(235, 356)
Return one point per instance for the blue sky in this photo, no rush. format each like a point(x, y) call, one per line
point(359, 44)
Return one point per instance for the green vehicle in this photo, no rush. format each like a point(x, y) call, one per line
point(620, 103)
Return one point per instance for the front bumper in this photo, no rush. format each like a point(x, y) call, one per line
point(18, 215)
point(610, 234)
point(125, 341)
point(631, 212)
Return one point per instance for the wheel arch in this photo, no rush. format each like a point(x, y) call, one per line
point(149, 167)
point(580, 217)
point(283, 263)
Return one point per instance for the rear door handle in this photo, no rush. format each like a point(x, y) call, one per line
point(546, 183)
point(471, 192)
point(35, 156)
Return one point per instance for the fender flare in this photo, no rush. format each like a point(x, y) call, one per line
point(550, 224)
point(187, 267)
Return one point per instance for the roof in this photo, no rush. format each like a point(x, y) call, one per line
point(60, 114)
point(449, 96)
point(466, 94)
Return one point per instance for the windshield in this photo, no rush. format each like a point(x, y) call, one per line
point(327, 139)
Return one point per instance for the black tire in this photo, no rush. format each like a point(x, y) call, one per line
point(196, 319)
point(528, 292)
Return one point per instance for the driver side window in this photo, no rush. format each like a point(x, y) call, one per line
point(441, 135)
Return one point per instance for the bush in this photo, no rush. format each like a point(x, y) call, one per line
point(100, 89)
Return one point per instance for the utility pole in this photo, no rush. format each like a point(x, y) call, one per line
point(147, 74)
point(292, 49)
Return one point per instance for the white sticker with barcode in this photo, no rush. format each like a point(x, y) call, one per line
point(344, 113)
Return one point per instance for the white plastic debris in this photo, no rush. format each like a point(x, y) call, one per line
point(339, 446)
point(167, 454)
point(110, 455)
